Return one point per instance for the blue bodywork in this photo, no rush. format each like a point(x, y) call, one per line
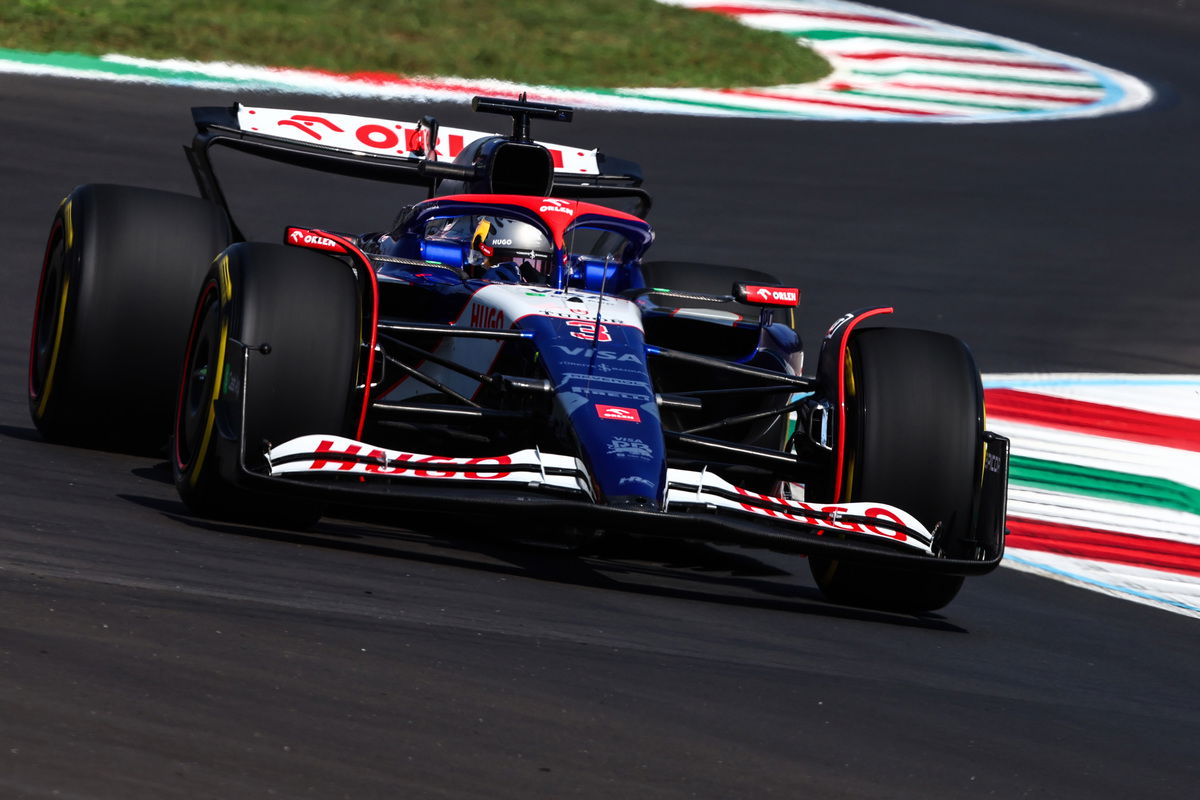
point(605, 399)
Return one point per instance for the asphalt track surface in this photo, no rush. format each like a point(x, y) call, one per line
point(146, 654)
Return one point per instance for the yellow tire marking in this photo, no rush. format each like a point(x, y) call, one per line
point(62, 314)
point(215, 372)
point(210, 418)
point(226, 282)
point(852, 458)
point(48, 384)
point(983, 455)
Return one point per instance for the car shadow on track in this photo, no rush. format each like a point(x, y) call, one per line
point(25, 434)
point(654, 567)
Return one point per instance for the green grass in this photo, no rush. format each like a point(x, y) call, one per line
point(598, 43)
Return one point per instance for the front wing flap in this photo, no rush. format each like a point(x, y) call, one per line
point(699, 505)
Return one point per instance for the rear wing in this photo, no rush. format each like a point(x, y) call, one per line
point(413, 153)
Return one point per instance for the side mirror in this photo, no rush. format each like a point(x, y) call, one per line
point(756, 295)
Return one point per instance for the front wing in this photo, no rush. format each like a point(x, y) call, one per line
point(553, 488)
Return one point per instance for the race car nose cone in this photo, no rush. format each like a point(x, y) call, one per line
point(633, 502)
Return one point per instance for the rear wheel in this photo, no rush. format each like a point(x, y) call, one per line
point(119, 277)
point(118, 282)
point(272, 355)
point(914, 433)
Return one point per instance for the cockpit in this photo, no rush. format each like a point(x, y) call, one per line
point(517, 239)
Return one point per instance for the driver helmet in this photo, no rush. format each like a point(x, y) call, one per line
point(490, 241)
point(499, 240)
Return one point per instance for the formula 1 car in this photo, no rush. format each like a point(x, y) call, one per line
point(505, 351)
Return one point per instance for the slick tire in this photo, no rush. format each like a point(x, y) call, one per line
point(272, 355)
point(119, 278)
point(914, 439)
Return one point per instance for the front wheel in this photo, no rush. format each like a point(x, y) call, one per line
point(272, 355)
point(914, 439)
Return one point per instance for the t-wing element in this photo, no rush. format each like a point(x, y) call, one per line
point(521, 110)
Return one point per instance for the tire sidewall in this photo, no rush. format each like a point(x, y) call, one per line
point(289, 323)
